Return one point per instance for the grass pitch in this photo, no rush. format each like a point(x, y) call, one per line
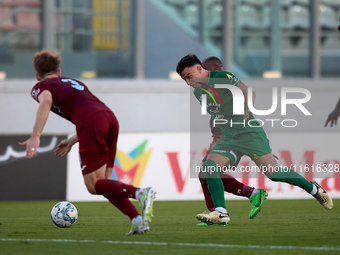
point(283, 226)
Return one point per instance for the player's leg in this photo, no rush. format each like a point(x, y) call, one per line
point(97, 147)
point(97, 184)
point(211, 168)
point(233, 186)
point(256, 196)
point(118, 193)
point(207, 197)
point(269, 166)
point(124, 204)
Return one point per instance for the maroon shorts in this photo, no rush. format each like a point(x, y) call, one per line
point(97, 138)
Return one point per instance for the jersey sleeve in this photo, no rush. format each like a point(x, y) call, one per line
point(233, 79)
point(36, 91)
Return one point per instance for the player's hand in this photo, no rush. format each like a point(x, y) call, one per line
point(247, 112)
point(32, 145)
point(63, 148)
point(333, 118)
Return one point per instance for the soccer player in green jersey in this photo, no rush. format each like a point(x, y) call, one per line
point(238, 140)
point(231, 185)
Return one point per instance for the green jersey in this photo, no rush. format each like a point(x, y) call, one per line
point(234, 124)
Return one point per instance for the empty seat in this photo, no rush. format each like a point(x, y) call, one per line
point(33, 3)
point(28, 20)
point(248, 17)
point(6, 20)
point(328, 18)
point(190, 14)
point(298, 17)
point(215, 16)
point(256, 3)
point(266, 18)
point(14, 3)
point(302, 2)
point(9, 3)
point(331, 3)
point(285, 3)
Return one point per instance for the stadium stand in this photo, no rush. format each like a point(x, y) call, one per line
point(29, 20)
point(6, 20)
point(28, 3)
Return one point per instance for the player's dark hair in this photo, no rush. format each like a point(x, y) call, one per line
point(45, 62)
point(187, 61)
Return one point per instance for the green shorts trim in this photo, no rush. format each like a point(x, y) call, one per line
point(253, 145)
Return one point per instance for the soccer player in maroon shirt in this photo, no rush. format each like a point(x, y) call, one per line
point(231, 185)
point(97, 133)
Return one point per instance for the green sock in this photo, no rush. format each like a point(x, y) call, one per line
point(215, 184)
point(291, 177)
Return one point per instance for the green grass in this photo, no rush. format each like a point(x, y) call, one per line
point(302, 223)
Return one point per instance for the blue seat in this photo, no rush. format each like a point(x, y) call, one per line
point(298, 16)
point(248, 17)
point(328, 18)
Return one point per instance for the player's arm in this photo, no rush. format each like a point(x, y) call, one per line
point(65, 146)
point(45, 103)
point(333, 116)
point(244, 90)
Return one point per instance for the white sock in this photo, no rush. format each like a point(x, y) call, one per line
point(137, 193)
point(314, 191)
point(136, 220)
point(221, 209)
point(254, 192)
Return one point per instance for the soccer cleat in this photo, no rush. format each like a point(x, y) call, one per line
point(145, 199)
point(138, 229)
point(201, 224)
point(257, 201)
point(214, 217)
point(322, 196)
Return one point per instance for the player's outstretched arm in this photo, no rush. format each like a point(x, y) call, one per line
point(333, 116)
point(65, 146)
point(45, 103)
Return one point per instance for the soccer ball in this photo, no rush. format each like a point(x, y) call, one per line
point(64, 214)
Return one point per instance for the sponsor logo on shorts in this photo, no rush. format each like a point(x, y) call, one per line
point(220, 151)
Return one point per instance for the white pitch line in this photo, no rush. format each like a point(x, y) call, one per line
point(273, 247)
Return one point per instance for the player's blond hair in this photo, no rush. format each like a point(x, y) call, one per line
point(46, 62)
